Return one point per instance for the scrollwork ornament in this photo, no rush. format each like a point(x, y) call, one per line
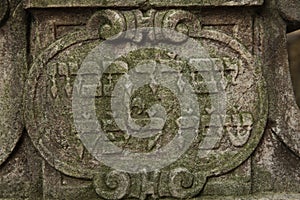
point(184, 184)
point(106, 24)
point(116, 183)
point(115, 68)
point(178, 20)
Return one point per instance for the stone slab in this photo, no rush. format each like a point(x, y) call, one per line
point(137, 3)
point(207, 2)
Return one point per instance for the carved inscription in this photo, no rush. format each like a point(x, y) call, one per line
point(49, 100)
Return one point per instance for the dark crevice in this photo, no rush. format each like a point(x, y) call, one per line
point(28, 33)
point(293, 45)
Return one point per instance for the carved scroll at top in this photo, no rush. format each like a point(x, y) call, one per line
point(137, 3)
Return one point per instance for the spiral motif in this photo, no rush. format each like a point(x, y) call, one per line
point(115, 186)
point(184, 184)
point(179, 20)
point(107, 24)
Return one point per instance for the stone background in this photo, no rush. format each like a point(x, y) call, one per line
point(271, 171)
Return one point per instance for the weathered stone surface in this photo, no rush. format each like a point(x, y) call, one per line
point(257, 154)
point(52, 130)
point(284, 113)
point(137, 3)
point(20, 176)
point(81, 3)
point(283, 123)
point(266, 196)
point(207, 3)
point(12, 70)
point(289, 10)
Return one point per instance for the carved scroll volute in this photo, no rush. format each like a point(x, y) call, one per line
point(184, 184)
point(114, 185)
point(106, 24)
point(182, 21)
point(4, 10)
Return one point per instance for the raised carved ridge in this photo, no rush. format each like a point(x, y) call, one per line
point(178, 183)
point(57, 66)
point(137, 3)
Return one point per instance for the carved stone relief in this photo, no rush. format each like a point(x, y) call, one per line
point(49, 95)
point(43, 45)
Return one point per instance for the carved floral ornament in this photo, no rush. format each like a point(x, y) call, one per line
point(50, 121)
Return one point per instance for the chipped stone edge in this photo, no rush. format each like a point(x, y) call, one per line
point(138, 3)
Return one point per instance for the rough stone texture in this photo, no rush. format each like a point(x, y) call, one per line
point(12, 70)
point(289, 10)
point(138, 3)
point(258, 156)
point(284, 113)
point(20, 170)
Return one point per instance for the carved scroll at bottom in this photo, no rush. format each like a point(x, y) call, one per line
point(114, 185)
point(178, 183)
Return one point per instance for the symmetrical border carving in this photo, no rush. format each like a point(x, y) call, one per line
point(101, 25)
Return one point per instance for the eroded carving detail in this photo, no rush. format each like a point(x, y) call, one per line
point(182, 21)
point(239, 128)
point(179, 183)
point(63, 71)
point(117, 184)
point(184, 184)
point(107, 23)
point(243, 86)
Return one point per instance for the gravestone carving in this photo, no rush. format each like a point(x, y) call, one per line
point(55, 135)
point(105, 111)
